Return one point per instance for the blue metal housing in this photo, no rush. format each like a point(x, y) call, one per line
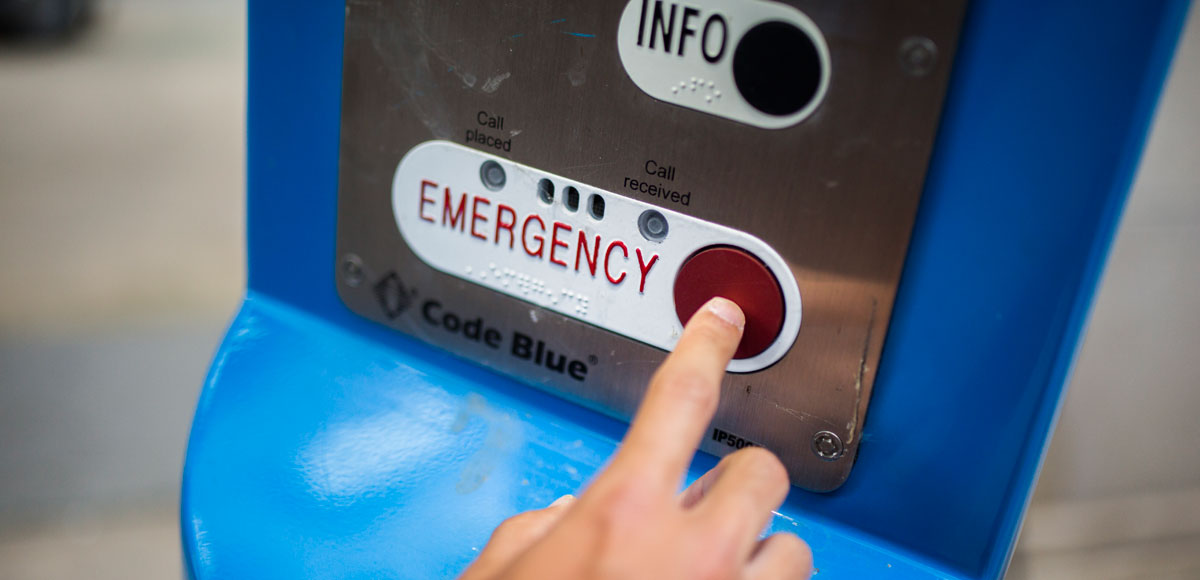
point(325, 446)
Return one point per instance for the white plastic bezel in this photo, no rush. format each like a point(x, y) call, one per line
point(647, 315)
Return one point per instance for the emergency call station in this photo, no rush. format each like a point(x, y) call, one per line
point(477, 228)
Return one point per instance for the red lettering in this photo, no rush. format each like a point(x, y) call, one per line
point(540, 239)
point(555, 243)
point(582, 248)
point(645, 268)
point(503, 225)
point(608, 256)
point(460, 214)
point(476, 217)
point(425, 183)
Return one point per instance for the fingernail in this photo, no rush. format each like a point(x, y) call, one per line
point(726, 310)
point(564, 500)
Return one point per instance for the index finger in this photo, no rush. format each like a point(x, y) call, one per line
point(683, 395)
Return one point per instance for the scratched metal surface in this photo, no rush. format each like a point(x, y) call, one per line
point(835, 195)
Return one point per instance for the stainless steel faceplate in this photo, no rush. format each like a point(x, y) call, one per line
point(835, 195)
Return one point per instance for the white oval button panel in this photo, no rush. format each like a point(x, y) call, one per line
point(563, 245)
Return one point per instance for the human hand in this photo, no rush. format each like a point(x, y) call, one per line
point(630, 523)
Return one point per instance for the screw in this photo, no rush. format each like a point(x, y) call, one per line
point(827, 445)
point(352, 270)
point(918, 55)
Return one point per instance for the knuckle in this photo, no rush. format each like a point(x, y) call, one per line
point(691, 386)
point(715, 563)
point(712, 573)
point(627, 499)
point(795, 551)
point(616, 511)
point(517, 527)
point(764, 466)
point(511, 526)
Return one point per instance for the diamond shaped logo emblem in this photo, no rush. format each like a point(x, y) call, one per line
point(394, 297)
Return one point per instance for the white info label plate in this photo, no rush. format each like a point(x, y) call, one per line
point(684, 54)
point(599, 269)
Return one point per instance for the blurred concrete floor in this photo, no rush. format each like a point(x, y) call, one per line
point(121, 218)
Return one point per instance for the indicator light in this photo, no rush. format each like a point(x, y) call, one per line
point(653, 225)
point(492, 175)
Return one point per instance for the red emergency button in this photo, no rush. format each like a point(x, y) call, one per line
point(738, 275)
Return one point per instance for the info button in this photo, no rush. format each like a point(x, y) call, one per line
point(738, 275)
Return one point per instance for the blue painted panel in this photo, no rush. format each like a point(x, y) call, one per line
point(1045, 119)
point(325, 452)
point(324, 446)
